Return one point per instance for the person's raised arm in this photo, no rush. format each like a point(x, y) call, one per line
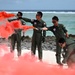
point(11, 20)
point(28, 20)
point(44, 28)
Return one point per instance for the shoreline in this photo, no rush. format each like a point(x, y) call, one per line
point(49, 43)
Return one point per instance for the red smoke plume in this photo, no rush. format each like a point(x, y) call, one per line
point(28, 65)
point(4, 15)
point(7, 28)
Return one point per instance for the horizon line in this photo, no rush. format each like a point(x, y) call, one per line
point(34, 10)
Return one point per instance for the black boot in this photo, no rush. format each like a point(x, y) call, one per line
point(58, 60)
point(19, 54)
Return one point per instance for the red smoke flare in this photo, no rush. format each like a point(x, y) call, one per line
point(28, 65)
point(4, 15)
point(7, 29)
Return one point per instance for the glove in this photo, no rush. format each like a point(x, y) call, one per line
point(43, 39)
point(22, 38)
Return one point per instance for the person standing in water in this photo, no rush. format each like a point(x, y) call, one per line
point(38, 36)
point(16, 37)
point(59, 31)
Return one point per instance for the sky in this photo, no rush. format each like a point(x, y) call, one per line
point(37, 4)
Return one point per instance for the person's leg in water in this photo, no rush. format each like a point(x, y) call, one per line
point(40, 52)
point(19, 45)
point(33, 46)
point(39, 45)
point(58, 54)
point(13, 41)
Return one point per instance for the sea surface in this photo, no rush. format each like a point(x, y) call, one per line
point(67, 18)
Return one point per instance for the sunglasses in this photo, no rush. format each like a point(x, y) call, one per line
point(53, 21)
point(18, 15)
